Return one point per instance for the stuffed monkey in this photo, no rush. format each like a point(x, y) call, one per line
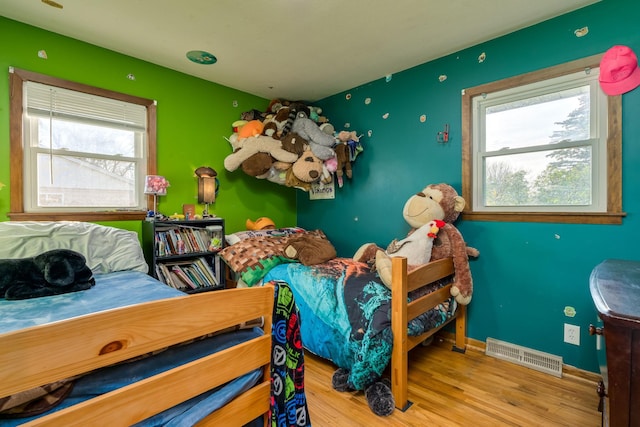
point(435, 201)
point(442, 200)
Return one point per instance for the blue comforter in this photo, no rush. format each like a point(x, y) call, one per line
point(111, 290)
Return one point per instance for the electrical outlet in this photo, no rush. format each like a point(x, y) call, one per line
point(572, 334)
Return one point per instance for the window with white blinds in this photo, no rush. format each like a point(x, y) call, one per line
point(42, 99)
point(82, 151)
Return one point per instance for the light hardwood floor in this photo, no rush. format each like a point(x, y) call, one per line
point(453, 389)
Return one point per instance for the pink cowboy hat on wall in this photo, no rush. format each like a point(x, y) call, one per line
point(619, 72)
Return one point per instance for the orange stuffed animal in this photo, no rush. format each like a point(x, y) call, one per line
point(251, 128)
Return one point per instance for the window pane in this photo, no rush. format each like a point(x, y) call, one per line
point(559, 177)
point(539, 120)
point(85, 182)
point(85, 138)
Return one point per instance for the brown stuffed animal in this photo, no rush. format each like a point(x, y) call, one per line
point(310, 248)
point(274, 124)
point(258, 164)
point(344, 161)
point(305, 171)
point(435, 201)
point(308, 168)
point(291, 180)
point(294, 143)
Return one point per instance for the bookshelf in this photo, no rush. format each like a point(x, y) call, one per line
point(184, 254)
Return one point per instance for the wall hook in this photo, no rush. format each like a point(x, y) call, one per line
point(443, 136)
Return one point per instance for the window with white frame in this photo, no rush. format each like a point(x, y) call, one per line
point(540, 145)
point(78, 149)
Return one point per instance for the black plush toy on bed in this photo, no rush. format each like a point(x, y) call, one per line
point(53, 272)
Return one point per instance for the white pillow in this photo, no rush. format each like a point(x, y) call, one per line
point(107, 249)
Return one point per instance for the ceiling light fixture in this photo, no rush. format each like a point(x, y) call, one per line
point(52, 3)
point(200, 57)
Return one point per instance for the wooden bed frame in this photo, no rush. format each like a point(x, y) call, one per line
point(402, 312)
point(47, 353)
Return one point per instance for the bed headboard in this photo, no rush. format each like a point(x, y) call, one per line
point(106, 249)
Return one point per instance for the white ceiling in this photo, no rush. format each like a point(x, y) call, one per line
point(291, 49)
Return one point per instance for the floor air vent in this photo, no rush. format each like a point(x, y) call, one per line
point(533, 359)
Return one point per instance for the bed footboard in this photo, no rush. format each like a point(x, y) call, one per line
point(79, 345)
point(403, 311)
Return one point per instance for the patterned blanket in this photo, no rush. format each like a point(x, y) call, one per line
point(288, 399)
point(254, 256)
point(345, 315)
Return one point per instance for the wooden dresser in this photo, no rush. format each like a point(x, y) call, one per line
point(615, 289)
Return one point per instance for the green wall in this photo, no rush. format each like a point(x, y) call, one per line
point(527, 273)
point(193, 117)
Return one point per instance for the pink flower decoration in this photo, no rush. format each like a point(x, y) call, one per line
point(156, 184)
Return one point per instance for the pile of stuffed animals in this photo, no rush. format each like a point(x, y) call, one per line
point(292, 144)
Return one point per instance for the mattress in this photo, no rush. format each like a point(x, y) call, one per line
point(112, 290)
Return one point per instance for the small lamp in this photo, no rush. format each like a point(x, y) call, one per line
point(155, 185)
point(207, 187)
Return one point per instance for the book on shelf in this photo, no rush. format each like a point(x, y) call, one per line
point(203, 268)
point(187, 274)
point(165, 275)
point(161, 246)
point(184, 277)
point(183, 239)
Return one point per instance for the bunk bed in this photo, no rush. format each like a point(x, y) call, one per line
point(130, 350)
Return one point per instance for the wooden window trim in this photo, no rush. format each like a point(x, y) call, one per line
point(17, 77)
point(614, 212)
